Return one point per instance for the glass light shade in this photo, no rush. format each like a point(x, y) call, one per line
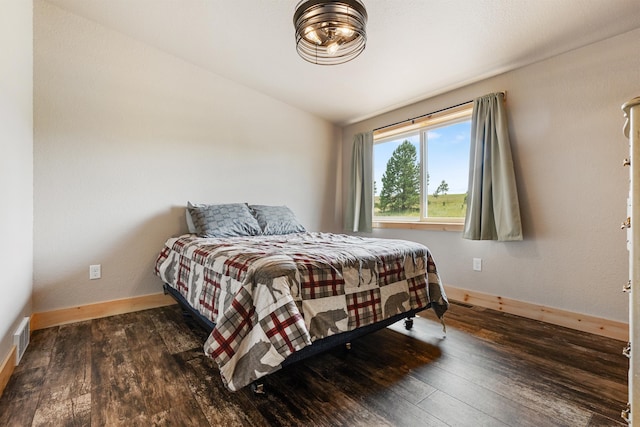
point(330, 32)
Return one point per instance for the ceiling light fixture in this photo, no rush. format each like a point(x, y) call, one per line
point(330, 32)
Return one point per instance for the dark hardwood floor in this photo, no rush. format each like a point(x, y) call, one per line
point(492, 369)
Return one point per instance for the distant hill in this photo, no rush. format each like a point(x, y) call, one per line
point(445, 206)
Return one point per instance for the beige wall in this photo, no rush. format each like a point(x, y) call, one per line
point(126, 134)
point(565, 123)
point(16, 166)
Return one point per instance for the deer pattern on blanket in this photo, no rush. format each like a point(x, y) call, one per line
point(270, 268)
point(194, 286)
point(170, 271)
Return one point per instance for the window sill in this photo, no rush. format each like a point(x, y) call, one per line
point(415, 225)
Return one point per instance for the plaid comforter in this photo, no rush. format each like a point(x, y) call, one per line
point(270, 296)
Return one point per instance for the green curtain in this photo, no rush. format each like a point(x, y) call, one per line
point(493, 211)
point(360, 202)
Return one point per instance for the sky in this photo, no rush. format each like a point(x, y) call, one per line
point(448, 156)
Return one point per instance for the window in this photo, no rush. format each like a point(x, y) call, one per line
point(421, 171)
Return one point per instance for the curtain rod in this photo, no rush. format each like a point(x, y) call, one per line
point(432, 113)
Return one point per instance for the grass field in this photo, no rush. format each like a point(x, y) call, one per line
point(443, 206)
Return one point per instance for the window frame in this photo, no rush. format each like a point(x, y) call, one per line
point(421, 126)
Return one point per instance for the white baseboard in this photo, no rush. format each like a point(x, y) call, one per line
point(568, 319)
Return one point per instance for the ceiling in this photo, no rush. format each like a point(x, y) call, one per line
point(415, 48)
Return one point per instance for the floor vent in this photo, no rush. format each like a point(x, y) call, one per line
point(21, 338)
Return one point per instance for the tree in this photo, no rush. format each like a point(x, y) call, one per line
point(401, 180)
point(443, 188)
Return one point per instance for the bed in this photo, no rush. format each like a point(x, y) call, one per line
point(278, 295)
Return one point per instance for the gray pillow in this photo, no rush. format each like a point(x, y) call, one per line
point(276, 219)
point(226, 220)
point(190, 226)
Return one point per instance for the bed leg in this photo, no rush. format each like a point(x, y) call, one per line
point(257, 388)
point(408, 323)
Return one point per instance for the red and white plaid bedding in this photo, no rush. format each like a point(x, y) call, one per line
point(270, 296)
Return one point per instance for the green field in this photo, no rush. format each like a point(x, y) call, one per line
point(443, 206)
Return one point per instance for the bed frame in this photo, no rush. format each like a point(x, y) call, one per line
point(319, 346)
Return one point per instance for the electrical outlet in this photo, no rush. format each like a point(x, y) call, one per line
point(95, 272)
point(477, 264)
